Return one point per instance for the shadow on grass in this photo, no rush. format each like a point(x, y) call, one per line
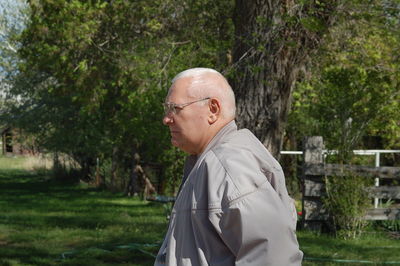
point(23, 255)
point(42, 218)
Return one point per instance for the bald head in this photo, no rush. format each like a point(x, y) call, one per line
point(207, 82)
point(199, 104)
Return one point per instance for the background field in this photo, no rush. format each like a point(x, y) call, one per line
point(48, 222)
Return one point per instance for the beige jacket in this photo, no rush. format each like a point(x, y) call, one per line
point(233, 208)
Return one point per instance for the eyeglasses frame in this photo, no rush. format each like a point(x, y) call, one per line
point(171, 107)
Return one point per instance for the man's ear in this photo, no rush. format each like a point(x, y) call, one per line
point(215, 110)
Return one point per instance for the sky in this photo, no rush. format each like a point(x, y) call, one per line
point(12, 20)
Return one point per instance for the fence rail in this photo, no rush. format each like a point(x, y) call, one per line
point(337, 169)
point(376, 153)
point(358, 152)
point(314, 169)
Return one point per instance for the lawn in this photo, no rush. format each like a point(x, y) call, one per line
point(48, 222)
point(373, 248)
point(42, 219)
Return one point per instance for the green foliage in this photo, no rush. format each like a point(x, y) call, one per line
point(354, 89)
point(390, 225)
point(346, 202)
point(173, 172)
point(351, 98)
point(93, 74)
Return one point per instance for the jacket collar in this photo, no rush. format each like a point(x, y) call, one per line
point(219, 137)
point(191, 160)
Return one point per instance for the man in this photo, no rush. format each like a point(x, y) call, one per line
point(233, 207)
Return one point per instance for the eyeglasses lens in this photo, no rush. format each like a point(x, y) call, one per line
point(169, 108)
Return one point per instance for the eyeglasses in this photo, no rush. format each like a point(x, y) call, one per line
point(172, 107)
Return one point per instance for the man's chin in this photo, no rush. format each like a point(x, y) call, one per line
point(179, 145)
point(175, 143)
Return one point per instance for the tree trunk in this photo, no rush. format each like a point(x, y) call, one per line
point(114, 167)
point(132, 187)
point(274, 39)
point(100, 179)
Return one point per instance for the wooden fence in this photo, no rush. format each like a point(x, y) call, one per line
point(314, 170)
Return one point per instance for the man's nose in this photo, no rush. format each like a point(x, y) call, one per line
point(167, 119)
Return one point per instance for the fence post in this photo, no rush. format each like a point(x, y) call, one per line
point(377, 164)
point(313, 215)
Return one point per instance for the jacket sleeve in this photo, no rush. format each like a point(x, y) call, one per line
point(258, 229)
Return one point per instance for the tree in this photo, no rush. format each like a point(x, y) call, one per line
point(94, 75)
point(13, 18)
point(354, 90)
point(274, 40)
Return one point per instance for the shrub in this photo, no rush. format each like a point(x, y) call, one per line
point(346, 201)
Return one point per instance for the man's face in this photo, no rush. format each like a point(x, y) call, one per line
point(189, 126)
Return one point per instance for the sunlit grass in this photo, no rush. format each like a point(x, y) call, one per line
point(41, 162)
point(374, 247)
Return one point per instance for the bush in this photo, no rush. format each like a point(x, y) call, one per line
point(347, 201)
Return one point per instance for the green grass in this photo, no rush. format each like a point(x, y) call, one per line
point(41, 219)
point(376, 247)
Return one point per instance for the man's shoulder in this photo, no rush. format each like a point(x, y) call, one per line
point(243, 147)
point(238, 140)
point(241, 160)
